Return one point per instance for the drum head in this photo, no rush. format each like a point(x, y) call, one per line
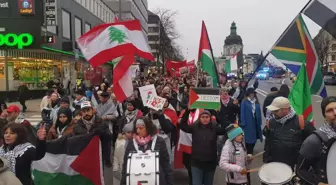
point(275, 173)
point(331, 164)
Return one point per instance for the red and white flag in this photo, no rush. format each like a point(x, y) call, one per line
point(106, 42)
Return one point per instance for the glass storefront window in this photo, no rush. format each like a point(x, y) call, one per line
point(34, 72)
point(2, 75)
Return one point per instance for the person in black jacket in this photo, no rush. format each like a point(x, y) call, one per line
point(204, 146)
point(92, 123)
point(285, 133)
point(269, 98)
point(311, 167)
point(20, 153)
point(145, 131)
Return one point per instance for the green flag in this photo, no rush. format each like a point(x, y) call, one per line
point(205, 56)
point(300, 96)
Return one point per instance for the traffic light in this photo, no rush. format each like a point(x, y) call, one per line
point(49, 39)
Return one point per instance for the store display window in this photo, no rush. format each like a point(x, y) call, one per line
point(34, 72)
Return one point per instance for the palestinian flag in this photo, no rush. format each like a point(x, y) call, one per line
point(231, 64)
point(106, 42)
point(205, 56)
point(294, 48)
point(75, 160)
point(204, 98)
point(323, 12)
point(300, 97)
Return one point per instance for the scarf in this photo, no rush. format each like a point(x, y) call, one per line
point(253, 103)
point(131, 115)
point(11, 155)
point(89, 123)
point(142, 141)
point(328, 130)
point(225, 100)
point(290, 115)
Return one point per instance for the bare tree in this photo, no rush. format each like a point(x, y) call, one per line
point(322, 43)
point(165, 42)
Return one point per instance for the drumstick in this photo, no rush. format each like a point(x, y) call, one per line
point(257, 155)
point(253, 170)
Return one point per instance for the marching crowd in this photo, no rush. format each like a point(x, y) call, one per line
point(204, 138)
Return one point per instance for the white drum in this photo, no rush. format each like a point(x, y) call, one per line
point(143, 168)
point(275, 173)
point(331, 163)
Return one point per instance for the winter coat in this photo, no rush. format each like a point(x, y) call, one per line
point(166, 177)
point(204, 141)
point(251, 124)
point(232, 168)
point(24, 157)
point(7, 177)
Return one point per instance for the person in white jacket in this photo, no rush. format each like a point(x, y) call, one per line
point(234, 159)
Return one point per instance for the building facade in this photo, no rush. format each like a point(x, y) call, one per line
point(38, 59)
point(131, 9)
point(331, 57)
point(233, 43)
point(154, 25)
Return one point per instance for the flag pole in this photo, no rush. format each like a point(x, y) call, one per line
point(197, 73)
point(213, 58)
point(283, 33)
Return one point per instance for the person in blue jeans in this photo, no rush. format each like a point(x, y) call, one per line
point(204, 146)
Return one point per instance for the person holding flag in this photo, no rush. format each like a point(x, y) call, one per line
point(19, 152)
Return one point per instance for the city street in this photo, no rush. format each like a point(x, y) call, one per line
point(180, 176)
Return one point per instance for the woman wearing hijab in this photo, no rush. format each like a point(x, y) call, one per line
point(250, 119)
point(63, 125)
point(145, 132)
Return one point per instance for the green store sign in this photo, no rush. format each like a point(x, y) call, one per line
point(14, 40)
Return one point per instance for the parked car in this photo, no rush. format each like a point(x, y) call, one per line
point(262, 75)
point(330, 79)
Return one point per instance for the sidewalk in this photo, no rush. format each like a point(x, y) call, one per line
point(33, 106)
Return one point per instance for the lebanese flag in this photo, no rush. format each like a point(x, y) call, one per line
point(106, 42)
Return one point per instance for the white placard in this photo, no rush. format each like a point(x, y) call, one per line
point(156, 103)
point(147, 92)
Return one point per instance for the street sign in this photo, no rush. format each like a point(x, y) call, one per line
point(51, 12)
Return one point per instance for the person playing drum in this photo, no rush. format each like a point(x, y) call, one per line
point(311, 153)
point(234, 157)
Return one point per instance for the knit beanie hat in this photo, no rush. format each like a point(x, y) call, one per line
point(325, 103)
point(205, 112)
point(233, 131)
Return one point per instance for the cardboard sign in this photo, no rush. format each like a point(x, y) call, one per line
point(156, 103)
point(204, 98)
point(147, 92)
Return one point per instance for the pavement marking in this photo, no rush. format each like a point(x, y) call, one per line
point(36, 116)
point(34, 120)
point(261, 93)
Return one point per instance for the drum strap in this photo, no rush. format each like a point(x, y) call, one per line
point(322, 136)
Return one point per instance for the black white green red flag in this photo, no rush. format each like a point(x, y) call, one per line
point(74, 160)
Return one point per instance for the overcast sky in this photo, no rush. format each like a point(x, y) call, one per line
point(259, 22)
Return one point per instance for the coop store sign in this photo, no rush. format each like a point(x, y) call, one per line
point(18, 41)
